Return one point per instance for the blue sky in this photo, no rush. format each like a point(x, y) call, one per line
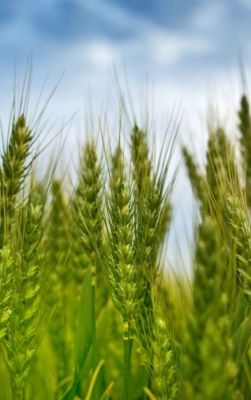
point(185, 51)
point(177, 44)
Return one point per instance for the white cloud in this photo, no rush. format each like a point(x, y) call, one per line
point(148, 43)
point(210, 16)
point(168, 48)
point(100, 53)
point(149, 39)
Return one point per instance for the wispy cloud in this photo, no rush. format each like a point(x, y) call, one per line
point(169, 48)
point(86, 39)
point(210, 16)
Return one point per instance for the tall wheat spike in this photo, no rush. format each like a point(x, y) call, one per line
point(245, 140)
point(89, 206)
point(214, 313)
point(90, 221)
point(127, 285)
point(152, 209)
point(152, 218)
point(122, 271)
point(210, 338)
point(87, 209)
point(12, 172)
point(195, 177)
point(23, 240)
point(162, 359)
point(220, 168)
point(239, 222)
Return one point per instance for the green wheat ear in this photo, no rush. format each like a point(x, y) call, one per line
point(164, 365)
point(88, 229)
point(209, 342)
point(220, 166)
point(221, 173)
point(127, 287)
point(18, 275)
point(196, 179)
point(13, 170)
point(152, 215)
point(88, 216)
point(123, 275)
point(142, 170)
point(240, 231)
point(89, 206)
point(152, 207)
point(245, 142)
point(161, 357)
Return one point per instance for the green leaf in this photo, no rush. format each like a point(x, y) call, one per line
point(247, 369)
point(149, 394)
point(107, 393)
point(241, 338)
point(84, 333)
point(94, 380)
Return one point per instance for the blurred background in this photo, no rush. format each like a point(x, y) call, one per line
point(171, 59)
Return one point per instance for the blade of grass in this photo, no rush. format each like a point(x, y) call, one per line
point(93, 381)
point(84, 334)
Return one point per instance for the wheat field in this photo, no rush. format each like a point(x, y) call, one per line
point(87, 308)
